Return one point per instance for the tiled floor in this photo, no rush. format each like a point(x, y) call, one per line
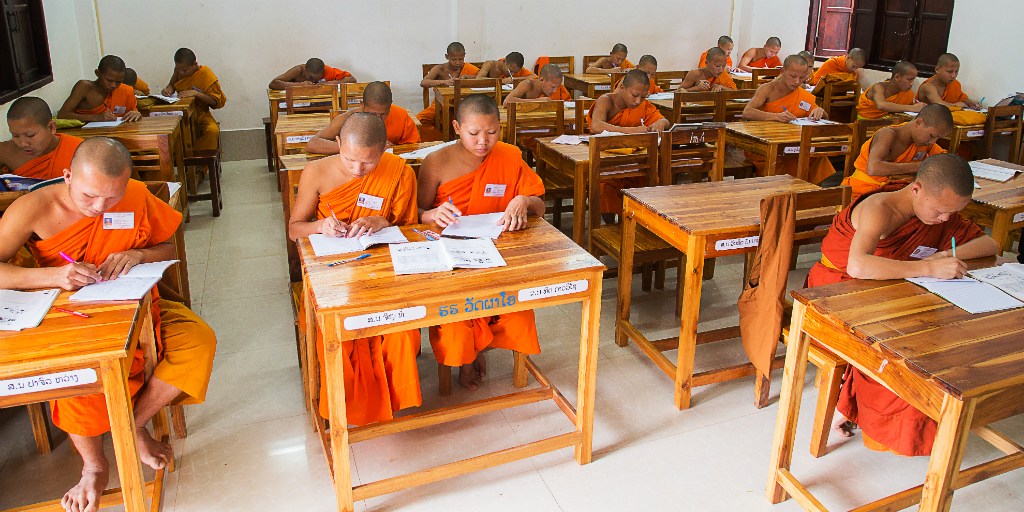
point(250, 446)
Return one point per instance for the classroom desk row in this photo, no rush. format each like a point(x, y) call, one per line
point(593, 85)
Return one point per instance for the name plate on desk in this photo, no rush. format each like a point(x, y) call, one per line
point(1018, 218)
point(553, 290)
point(975, 133)
point(394, 316)
point(793, 150)
point(294, 139)
point(736, 243)
point(47, 382)
point(602, 87)
point(166, 113)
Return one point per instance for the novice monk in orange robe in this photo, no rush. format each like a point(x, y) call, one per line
point(848, 64)
point(615, 61)
point(712, 77)
point(896, 233)
point(767, 57)
point(71, 218)
point(899, 149)
point(36, 150)
point(131, 79)
point(401, 129)
point(191, 79)
point(313, 72)
point(103, 99)
point(506, 69)
point(726, 45)
point(545, 87)
point(893, 95)
point(783, 100)
point(443, 75)
point(368, 190)
point(479, 175)
point(943, 87)
point(649, 65)
point(625, 111)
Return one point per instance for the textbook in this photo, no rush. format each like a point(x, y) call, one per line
point(991, 172)
point(444, 255)
point(23, 310)
point(329, 246)
point(13, 182)
point(131, 286)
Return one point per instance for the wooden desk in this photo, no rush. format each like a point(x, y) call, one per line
point(588, 85)
point(184, 107)
point(999, 205)
point(703, 220)
point(296, 130)
point(695, 112)
point(367, 291)
point(743, 82)
point(573, 161)
point(100, 350)
point(771, 139)
point(444, 105)
point(932, 354)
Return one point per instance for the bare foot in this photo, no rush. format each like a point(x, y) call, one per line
point(152, 452)
point(85, 497)
point(480, 365)
point(468, 377)
point(844, 427)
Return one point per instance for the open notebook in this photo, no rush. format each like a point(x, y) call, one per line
point(329, 246)
point(987, 289)
point(22, 310)
point(131, 286)
point(445, 254)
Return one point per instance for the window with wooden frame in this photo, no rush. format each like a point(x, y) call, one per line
point(24, 51)
point(888, 30)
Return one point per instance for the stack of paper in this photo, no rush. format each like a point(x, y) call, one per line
point(131, 286)
point(806, 121)
point(476, 226)
point(23, 310)
point(742, 74)
point(570, 140)
point(991, 172)
point(329, 246)
point(968, 294)
point(169, 99)
point(444, 255)
point(422, 153)
point(661, 96)
point(104, 124)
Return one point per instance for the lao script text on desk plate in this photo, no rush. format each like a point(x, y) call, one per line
point(166, 113)
point(793, 150)
point(553, 290)
point(393, 316)
point(47, 382)
point(1018, 218)
point(736, 243)
point(294, 139)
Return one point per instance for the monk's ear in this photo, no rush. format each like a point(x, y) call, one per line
point(455, 125)
point(67, 176)
point(52, 126)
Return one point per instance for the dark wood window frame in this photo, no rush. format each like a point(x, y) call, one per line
point(24, 50)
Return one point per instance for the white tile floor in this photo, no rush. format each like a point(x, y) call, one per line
point(251, 448)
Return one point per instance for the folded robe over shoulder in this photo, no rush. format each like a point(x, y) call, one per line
point(884, 417)
point(867, 109)
point(766, 62)
point(206, 82)
point(185, 344)
point(799, 103)
point(833, 65)
point(119, 102)
point(332, 74)
point(643, 114)
point(862, 182)
point(400, 126)
point(52, 164)
point(426, 116)
point(458, 343)
point(380, 371)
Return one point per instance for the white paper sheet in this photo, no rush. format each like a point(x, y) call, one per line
point(422, 153)
point(570, 104)
point(1008, 277)
point(169, 99)
point(968, 294)
point(806, 121)
point(742, 74)
point(570, 140)
point(104, 124)
point(419, 258)
point(991, 172)
point(477, 253)
point(661, 96)
point(172, 187)
point(23, 310)
point(131, 286)
point(476, 226)
point(329, 246)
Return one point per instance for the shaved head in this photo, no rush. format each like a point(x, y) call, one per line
point(724, 41)
point(102, 154)
point(858, 55)
point(636, 77)
point(456, 47)
point(794, 60)
point(315, 66)
point(130, 77)
point(111, 63)
point(807, 57)
point(619, 48)
point(946, 170)
point(647, 59)
point(364, 130)
point(773, 42)
point(551, 72)
point(714, 53)
point(377, 93)
point(902, 68)
point(477, 105)
point(184, 56)
point(515, 58)
point(946, 59)
point(936, 115)
point(30, 107)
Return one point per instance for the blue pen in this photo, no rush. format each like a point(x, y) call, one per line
point(428, 237)
point(361, 256)
point(453, 204)
point(982, 101)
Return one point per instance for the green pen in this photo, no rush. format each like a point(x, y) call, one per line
point(954, 246)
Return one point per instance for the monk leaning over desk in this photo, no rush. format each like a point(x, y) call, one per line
point(313, 72)
point(35, 150)
point(893, 95)
point(766, 57)
point(103, 99)
point(899, 149)
point(615, 61)
point(443, 75)
point(783, 100)
point(546, 87)
point(712, 77)
point(131, 78)
point(649, 65)
point(506, 69)
point(401, 129)
point(72, 218)
point(726, 45)
point(943, 87)
point(848, 64)
point(360, 191)
point(191, 79)
point(479, 175)
point(895, 233)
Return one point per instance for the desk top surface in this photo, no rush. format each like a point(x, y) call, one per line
point(183, 104)
point(1004, 195)
point(597, 79)
point(160, 125)
point(299, 160)
point(301, 122)
point(769, 132)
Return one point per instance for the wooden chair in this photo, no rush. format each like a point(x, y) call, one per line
point(734, 112)
point(761, 76)
point(464, 87)
point(680, 98)
point(208, 159)
point(1003, 121)
point(866, 128)
point(699, 152)
point(841, 96)
point(614, 78)
point(528, 121)
point(566, 64)
point(313, 98)
point(669, 80)
point(590, 59)
point(426, 90)
point(269, 136)
point(351, 95)
point(831, 146)
point(583, 105)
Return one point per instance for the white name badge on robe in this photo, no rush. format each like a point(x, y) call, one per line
point(494, 190)
point(119, 220)
point(805, 106)
point(118, 110)
point(920, 155)
point(371, 202)
point(923, 252)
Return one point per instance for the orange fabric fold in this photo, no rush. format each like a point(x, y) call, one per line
point(766, 62)
point(799, 103)
point(141, 85)
point(862, 182)
point(52, 164)
point(426, 116)
point(206, 82)
point(704, 60)
point(644, 114)
point(953, 93)
point(560, 94)
point(833, 65)
point(521, 73)
point(724, 80)
point(119, 102)
point(400, 126)
point(332, 74)
point(867, 109)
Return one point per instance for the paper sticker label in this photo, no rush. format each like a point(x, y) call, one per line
point(920, 155)
point(294, 139)
point(975, 133)
point(553, 290)
point(923, 252)
point(1018, 218)
point(494, 190)
point(120, 109)
point(805, 106)
point(294, 104)
point(793, 150)
point(394, 316)
point(119, 220)
point(371, 202)
point(602, 87)
point(47, 382)
point(166, 113)
point(736, 243)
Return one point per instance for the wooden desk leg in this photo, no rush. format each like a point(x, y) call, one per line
point(587, 379)
point(694, 255)
point(122, 429)
point(947, 453)
point(789, 403)
point(1001, 230)
point(954, 140)
point(339, 419)
point(771, 159)
point(625, 278)
point(579, 210)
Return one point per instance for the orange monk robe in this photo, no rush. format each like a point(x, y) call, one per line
point(724, 80)
point(884, 418)
point(119, 102)
point(141, 86)
point(380, 371)
point(426, 116)
point(458, 343)
point(953, 93)
point(400, 126)
point(52, 164)
point(799, 103)
point(644, 114)
point(833, 65)
point(521, 73)
point(862, 182)
point(560, 94)
point(332, 74)
point(867, 109)
point(704, 60)
point(205, 82)
point(766, 62)
point(185, 344)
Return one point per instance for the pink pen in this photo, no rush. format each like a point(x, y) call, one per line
point(69, 259)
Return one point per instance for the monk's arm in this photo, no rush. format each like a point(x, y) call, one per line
point(660, 125)
point(426, 191)
point(324, 142)
point(753, 110)
point(536, 205)
point(78, 92)
point(980, 247)
point(873, 222)
point(598, 66)
point(199, 95)
point(485, 70)
point(301, 223)
point(169, 90)
point(518, 94)
point(599, 123)
point(881, 144)
point(930, 95)
point(434, 78)
point(7, 151)
point(350, 79)
point(746, 58)
point(288, 79)
point(693, 82)
point(16, 227)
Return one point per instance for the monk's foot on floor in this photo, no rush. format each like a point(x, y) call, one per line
point(480, 365)
point(844, 428)
point(469, 378)
point(153, 453)
point(85, 497)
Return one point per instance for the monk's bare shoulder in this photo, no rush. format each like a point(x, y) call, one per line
point(435, 162)
point(8, 152)
point(34, 208)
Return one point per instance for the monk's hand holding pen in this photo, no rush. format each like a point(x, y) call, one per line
point(515, 214)
point(119, 263)
point(443, 215)
point(75, 275)
point(107, 116)
point(332, 227)
point(945, 267)
point(785, 116)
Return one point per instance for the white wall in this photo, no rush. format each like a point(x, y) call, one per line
point(67, 45)
point(248, 42)
point(754, 21)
